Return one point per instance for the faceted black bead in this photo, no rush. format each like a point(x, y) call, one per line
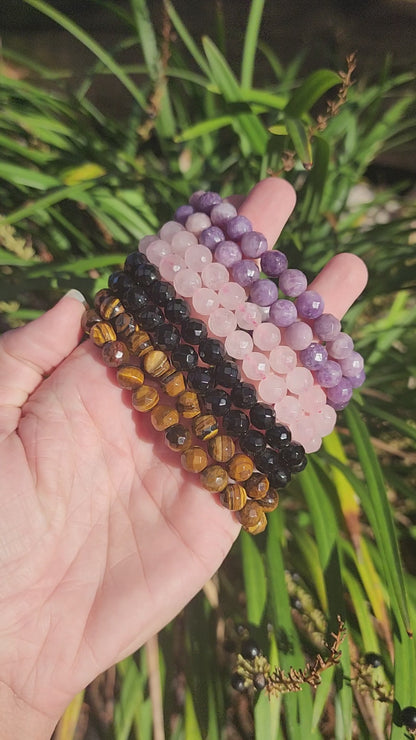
point(293, 454)
point(211, 351)
point(238, 682)
point(184, 357)
point(267, 460)
point(280, 476)
point(166, 337)
point(145, 274)
point(243, 395)
point(177, 311)
point(161, 292)
point(278, 436)
point(119, 282)
point(133, 260)
point(408, 718)
point(217, 402)
point(193, 331)
point(253, 442)
point(149, 318)
point(201, 379)
point(227, 374)
point(299, 466)
point(250, 649)
point(262, 416)
point(235, 423)
point(136, 298)
point(373, 660)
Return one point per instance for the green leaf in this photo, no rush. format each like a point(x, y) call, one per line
point(250, 42)
point(26, 177)
point(301, 141)
point(254, 579)
point(203, 128)
point(72, 193)
point(310, 91)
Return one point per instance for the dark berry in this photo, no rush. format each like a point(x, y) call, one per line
point(408, 718)
point(133, 260)
point(259, 681)
point(235, 423)
point(161, 293)
point(193, 331)
point(211, 351)
point(166, 337)
point(184, 357)
point(238, 682)
point(217, 402)
point(177, 311)
point(227, 374)
point(252, 442)
point(145, 274)
point(249, 649)
point(278, 436)
point(243, 395)
point(373, 660)
point(149, 318)
point(201, 379)
point(262, 416)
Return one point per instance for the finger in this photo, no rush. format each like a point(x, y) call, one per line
point(268, 206)
point(34, 350)
point(340, 283)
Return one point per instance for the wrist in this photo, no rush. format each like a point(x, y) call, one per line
point(19, 720)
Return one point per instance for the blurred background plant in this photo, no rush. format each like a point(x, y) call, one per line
point(79, 185)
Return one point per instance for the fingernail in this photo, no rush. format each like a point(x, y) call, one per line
point(77, 296)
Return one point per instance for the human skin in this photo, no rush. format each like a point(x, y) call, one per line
point(103, 536)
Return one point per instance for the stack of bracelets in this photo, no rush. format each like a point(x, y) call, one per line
point(253, 363)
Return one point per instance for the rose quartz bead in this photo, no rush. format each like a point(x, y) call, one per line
point(198, 257)
point(222, 322)
point(266, 336)
point(169, 229)
point(215, 276)
point(238, 344)
point(170, 265)
point(181, 241)
point(298, 335)
point(313, 399)
point(232, 295)
point(299, 380)
point(288, 410)
point(324, 420)
point(197, 222)
point(304, 432)
point(283, 359)
point(205, 301)
point(186, 282)
point(255, 366)
point(145, 241)
point(248, 315)
point(157, 250)
point(272, 389)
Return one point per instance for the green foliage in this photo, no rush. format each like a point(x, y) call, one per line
point(78, 188)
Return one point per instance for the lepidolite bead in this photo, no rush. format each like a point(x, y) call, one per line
point(163, 417)
point(252, 517)
point(270, 501)
point(227, 374)
point(340, 347)
point(89, 318)
point(357, 380)
point(253, 244)
point(178, 438)
point(222, 213)
point(167, 337)
point(145, 398)
point(309, 304)
point(257, 486)
point(188, 404)
point(221, 448)
point(352, 365)
point(111, 307)
point(140, 343)
point(205, 426)
point(327, 327)
point(227, 253)
point(201, 379)
point(243, 395)
point(101, 333)
point(263, 292)
point(252, 442)
point(283, 313)
point(273, 263)
point(173, 383)
point(240, 467)
point(177, 311)
point(329, 375)
point(233, 497)
point(149, 318)
point(340, 395)
point(292, 282)
point(238, 226)
point(214, 478)
point(182, 213)
point(156, 363)
point(211, 236)
point(235, 423)
point(194, 459)
point(314, 356)
point(278, 436)
point(193, 331)
point(217, 402)
point(208, 200)
point(130, 376)
point(115, 353)
point(245, 273)
point(262, 416)
point(184, 357)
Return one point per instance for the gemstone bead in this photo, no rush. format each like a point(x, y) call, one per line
point(110, 307)
point(156, 363)
point(211, 236)
point(205, 426)
point(157, 250)
point(324, 420)
point(214, 478)
point(221, 448)
point(208, 200)
point(283, 313)
point(243, 395)
point(273, 263)
point(115, 353)
point(357, 380)
point(257, 486)
point(278, 436)
point(170, 265)
point(193, 200)
point(140, 343)
point(125, 325)
point(270, 500)
point(235, 423)
point(289, 409)
point(178, 438)
point(188, 404)
point(130, 377)
point(238, 344)
point(280, 477)
point(340, 395)
point(312, 399)
point(196, 258)
point(182, 213)
point(163, 417)
point(214, 276)
point(327, 327)
point(299, 380)
point(248, 316)
point(231, 295)
point(245, 273)
point(272, 389)
point(352, 365)
point(252, 442)
point(233, 497)
point(298, 336)
point(282, 359)
point(264, 292)
point(136, 298)
point(201, 379)
point(292, 282)
point(120, 281)
point(252, 517)
point(168, 230)
point(238, 226)
point(166, 337)
point(227, 253)
point(255, 366)
point(145, 273)
point(240, 467)
point(173, 383)
point(309, 304)
point(135, 259)
point(99, 297)
point(177, 311)
point(101, 333)
point(186, 282)
point(161, 292)
point(89, 318)
point(293, 454)
point(227, 374)
point(222, 213)
point(193, 331)
point(222, 322)
point(145, 398)
point(211, 351)
point(143, 245)
point(217, 402)
point(194, 459)
point(181, 241)
point(253, 244)
point(330, 374)
point(266, 336)
point(205, 301)
point(197, 222)
point(262, 416)
point(149, 318)
point(314, 356)
point(340, 347)
point(184, 357)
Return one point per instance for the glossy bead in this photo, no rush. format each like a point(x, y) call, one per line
point(231, 295)
point(238, 226)
point(188, 404)
point(340, 347)
point(193, 331)
point(130, 376)
point(205, 301)
point(177, 311)
point(240, 467)
point(252, 442)
point(186, 282)
point(110, 307)
point(184, 357)
point(221, 448)
point(194, 459)
point(197, 222)
point(211, 351)
point(340, 395)
point(227, 253)
point(178, 438)
point(227, 374)
point(329, 375)
point(136, 298)
point(256, 366)
point(235, 423)
point(233, 497)
point(272, 389)
point(149, 318)
point(205, 426)
point(310, 305)
point(201, 379)
point(119, 282)
point(314, 356)
point(282, 359)
point(144, 274)
point(217, 402)
point(214, 275)
point(156, 363)
point(278, 436)
point(135, 259)
point(293, 454)
point(101, 333)
point(253, 244)
point(173, 383)
point(264, 292)
point(238, 344)
point(145, 398)
point(327, 327)
point(245, 273)
point(214, 478)
point(292, 282)
point(115, 353)
point(161, 292)
point(280, 477)
point(170, 266)
point(163, 417)
point(352, 365)
point(99, 297)
point(211, 236)
point(208, 200)
point(273, 263)
point(257, 486)
point(222, 322)
point(248, 316)
point(181, 241)
point(251, 515)
point(270, 501)
point(140, 343)
point(169, 229)
point(167, 337)
point(144, 243)
point(267, 460)
point(283, 313)
point(254, 529)
point(158, 249)
point(289, 409)
point(298, 380)
point(266, 336)
point(222, 213)
point(262, 416)
point(89, 318)
point(125, 325)
point(182, 213)
point(243, 395)
point(298, 335)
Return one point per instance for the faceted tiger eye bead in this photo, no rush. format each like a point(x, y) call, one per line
point(103, 293)
point(205, 426)
point(129, 376)
point(251, 517)
point(145, 398)
point(270, 501)
point(178, 438)
point(188, 404)
point(163, 417)
point(140, 343)
point(195, 459)
point(258, 527)
point(110, 307)
point(102, 333)
point(214, 478)
point(115, 353)
point(173, 384)
point(233, 497)
point(89, 318)
point(240, 467)
point(221, 448)
point(156, 363)
point(257, 486)
point(125, 325)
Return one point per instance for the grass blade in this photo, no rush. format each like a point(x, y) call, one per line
point(250, 42)
point(311, 89)
point(254, 579)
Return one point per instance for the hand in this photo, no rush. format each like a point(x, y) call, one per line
point(103, 537)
